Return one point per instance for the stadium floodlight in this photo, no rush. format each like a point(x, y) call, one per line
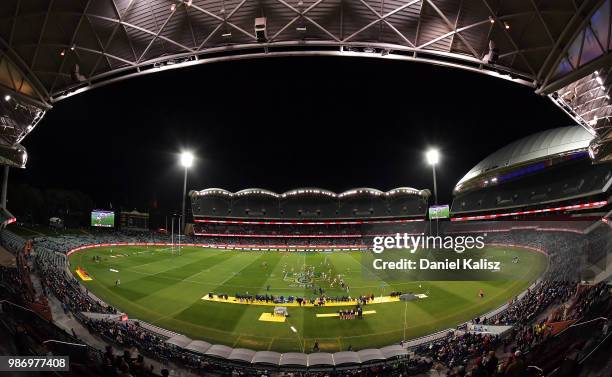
point(7, 97)
point(433, 157)
point(187, 159)
point(186, 162)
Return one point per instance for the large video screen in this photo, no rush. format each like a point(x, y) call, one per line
point(103, 219)
point(439, 212)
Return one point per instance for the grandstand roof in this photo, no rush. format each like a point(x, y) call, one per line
point(541, 145)
point(313, 191)
point(309, 191)
point(255, 192)
point(53, 49)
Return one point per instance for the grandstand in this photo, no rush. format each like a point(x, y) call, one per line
point(309, 204)
point(550, 171)
point(306, 218)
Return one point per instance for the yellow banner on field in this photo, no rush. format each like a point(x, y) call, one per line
point(269, 317)
point(234, 300)
point(83, 274)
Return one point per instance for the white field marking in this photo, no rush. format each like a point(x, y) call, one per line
point(191, 304)
point(163, 249)
point(136, 269)
point(196, 282)
point(383, 285)
point(236, 273)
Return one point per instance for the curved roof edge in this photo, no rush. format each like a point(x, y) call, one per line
point(289, 359)
point(534, 147)
point(312, 191)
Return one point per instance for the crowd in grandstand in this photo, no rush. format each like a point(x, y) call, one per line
point(67, 289)
point(461, 349)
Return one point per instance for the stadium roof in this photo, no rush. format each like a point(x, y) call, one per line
point(308, 191)
point(541, 145)
point(52, 49)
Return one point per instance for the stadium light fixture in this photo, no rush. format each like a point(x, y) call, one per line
point(186, 159)
point(433, 158)
point(186, 162)
point(7, 97)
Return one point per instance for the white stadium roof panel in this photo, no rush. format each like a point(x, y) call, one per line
point(534, 147)
point(242, 354)
point(267, 357)
point(179, 341)
point(346, 357)
point(320, 359)
point(199, 346)
point(219, 350)
point(393, 351)
point(294, 359)
point(370, 354)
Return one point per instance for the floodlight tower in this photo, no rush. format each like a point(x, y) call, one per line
point(186, 162)
point(433, 157)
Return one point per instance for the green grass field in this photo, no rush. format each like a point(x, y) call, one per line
point(166, 289)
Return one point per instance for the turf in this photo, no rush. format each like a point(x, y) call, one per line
point(166, 289)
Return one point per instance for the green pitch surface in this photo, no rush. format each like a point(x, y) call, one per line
point(166, 289)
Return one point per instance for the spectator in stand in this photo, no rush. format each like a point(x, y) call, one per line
point(517, 367)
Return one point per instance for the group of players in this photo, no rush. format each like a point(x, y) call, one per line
point(310, 274)
point(351, 313)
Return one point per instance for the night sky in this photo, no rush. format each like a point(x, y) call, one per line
point(334, 123)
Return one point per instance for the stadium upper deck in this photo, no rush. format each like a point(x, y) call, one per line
point(548, 170)
point(310, 204)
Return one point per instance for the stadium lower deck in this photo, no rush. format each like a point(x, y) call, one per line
point(168, 288)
